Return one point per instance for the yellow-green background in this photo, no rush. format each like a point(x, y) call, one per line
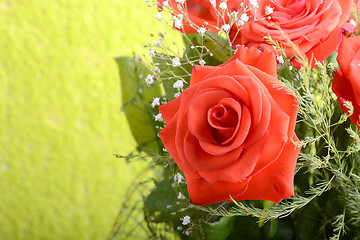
point(60, 119)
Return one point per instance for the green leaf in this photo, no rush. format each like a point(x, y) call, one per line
point(332, 59)
point(219, 230)
point(136, 96)
point(163, 198)
point(271, 228)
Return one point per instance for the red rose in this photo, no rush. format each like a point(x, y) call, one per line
point(346, 83)
point(199, 12)
point(313, 26)
point(231, 131)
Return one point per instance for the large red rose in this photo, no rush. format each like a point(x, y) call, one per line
point(232, 130)
point(346, 83)
point(313, 26)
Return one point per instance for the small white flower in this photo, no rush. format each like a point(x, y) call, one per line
point(223, 5)
point(268, 10)
point(155, 102)
point(177, 94)
point(225, 27)
point(352, 22)
point(179, 178)
point(158, 43)
point(290, 67)
point(156, 70)
point(213, 3)
point(187, 232)
point(179, 84)
point(244, 17)
point(186, 220)
point(201, 31)
point(233, 15)
point(280, 59)
point(158, 16)
point(138, 59)
point(181, 196)
point(165, 4)
point(178, 23)
point(202, 62)
point(180, 1)
point(254, 3)
point(152, 52)
point(159, 117)
point(179, 228)
point(176, 62)
point(149, 79)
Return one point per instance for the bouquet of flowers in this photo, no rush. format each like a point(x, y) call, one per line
point(251, 125)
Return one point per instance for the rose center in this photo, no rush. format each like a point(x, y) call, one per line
point(223, 121)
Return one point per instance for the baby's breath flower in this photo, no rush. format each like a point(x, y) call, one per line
point(225, 27)
point(149, 79)
point(152, 52)
point(243, 19)
point(179, 178)
point(178, 23)
point(254, 3)
point(187, 232)
point(158, 16)
point(176, 62)
point(165, 4)
point(155, 102)
point(138, 59)
point(268, 10)
point(213, 3)
point(180, 1)
point(353, 22)
point(280, 59)
point(202, 62)
point(201, 31)
point(156, 70)
point(223, 5)
point(158, 43)
point(159, 117)
point(179, 84)
point(181, 196)
point(177, 94)
point(186, 220)
point(233, 15)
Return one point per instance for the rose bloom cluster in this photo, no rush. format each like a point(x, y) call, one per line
point(232, 131)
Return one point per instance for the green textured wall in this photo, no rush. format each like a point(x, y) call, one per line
point(60, 119)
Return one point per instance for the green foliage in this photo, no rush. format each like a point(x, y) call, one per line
point(136, 97)
point(162, 198)
point(220, 229)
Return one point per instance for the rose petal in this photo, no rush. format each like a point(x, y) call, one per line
point(274, 187)
point(203, 193)
point(199, 160)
